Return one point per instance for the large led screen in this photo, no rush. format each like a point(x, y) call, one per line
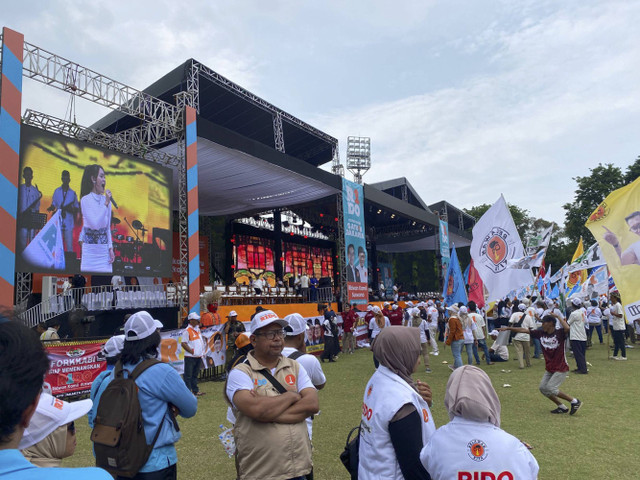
point(66, 223)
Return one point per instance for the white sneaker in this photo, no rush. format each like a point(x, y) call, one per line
point(622, 358)
point(613, 358)
point(435, 353)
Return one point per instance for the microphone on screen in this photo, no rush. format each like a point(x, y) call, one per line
point(114, 203)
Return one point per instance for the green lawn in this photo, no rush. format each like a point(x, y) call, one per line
point(599, 442)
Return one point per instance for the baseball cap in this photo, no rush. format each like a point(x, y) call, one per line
point(158, 323)
point(385, 304)
point(494, 333)
point(232, 313)
point(430, 303)
point(243, 340)
point(463, 310)
point(114, 346)
point(50, 414)
point(264, 318)
point(410, 304)
point(453, 309)
point(369, 308)
point(297, 324)
point(139, 326)
point(414, 312)
point(193, 316)
point(576, 301)
point(376, 309)
point(522, 307)
point(394, 307)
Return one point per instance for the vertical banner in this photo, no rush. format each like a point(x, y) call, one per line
point(354, 241)
point(193, 219)
point(454, 289)
point(10, 112)
point(444, 246)
point(616, 226)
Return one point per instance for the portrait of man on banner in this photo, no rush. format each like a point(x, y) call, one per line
point(616, 226)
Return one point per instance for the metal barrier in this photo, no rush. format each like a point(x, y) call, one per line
point(105, 298)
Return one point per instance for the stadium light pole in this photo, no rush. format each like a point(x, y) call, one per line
point(358, 156)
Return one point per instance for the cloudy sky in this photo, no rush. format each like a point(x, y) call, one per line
point(467, 99)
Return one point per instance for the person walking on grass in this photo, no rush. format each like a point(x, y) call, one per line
point(556, 366)
point(421, 324)
point(618, 327)
point(578, 335)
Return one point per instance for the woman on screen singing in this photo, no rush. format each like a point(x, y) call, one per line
point(97, 249)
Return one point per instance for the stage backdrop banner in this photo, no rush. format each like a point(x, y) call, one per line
point(50, 196)
point(74, 367)
point(354, 241)
point(616, 226)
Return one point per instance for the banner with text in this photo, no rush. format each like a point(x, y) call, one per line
point(354, 241)
point(616, 226)
point(444, 246)
point(74, 367)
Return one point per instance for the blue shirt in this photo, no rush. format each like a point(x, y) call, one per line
point(14, 466)
point(157, 387)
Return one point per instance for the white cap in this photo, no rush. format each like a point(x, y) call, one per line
point(139, 326)
point(494, 333)
point(410, 304)
point(113, 346)
point(394, 306)
point(158, 323)
point(414, 312)
point(50, 414)
point(385, 304)
point(376, 309)
point(453, 309)
point(463, 310)
point(369, 308)
point(522, 307)
point(232, 313)
point(264, 318)
point(193, 316)
point(430, 303)
point(297, 324)
point(576, 301)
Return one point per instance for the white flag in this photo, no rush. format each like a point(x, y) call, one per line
point(495, 242)
point(590, 259)
point(560, 274)
point(46, 250)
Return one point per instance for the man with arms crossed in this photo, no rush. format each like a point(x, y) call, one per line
point(270, 432)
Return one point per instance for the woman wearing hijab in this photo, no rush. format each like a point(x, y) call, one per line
point(468, 331)
point(396, 420)
point(377, 323)
point(473, 442)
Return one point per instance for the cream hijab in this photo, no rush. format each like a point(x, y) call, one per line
point(49, 451)
point(470, 395)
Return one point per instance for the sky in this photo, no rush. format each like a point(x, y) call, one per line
point(466, 99)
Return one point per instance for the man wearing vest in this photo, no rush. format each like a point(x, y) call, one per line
point(271, 397)
point(193, 352)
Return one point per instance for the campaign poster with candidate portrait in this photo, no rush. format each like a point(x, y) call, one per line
point(616, 226)
point(65, 223)
point(355, 243)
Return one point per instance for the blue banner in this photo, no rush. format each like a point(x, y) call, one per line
point(444, 245)
point(454, 287)
point(386, 276)
point(354, 242)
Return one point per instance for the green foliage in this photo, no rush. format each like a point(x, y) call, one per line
point(633, 172)
point(591, 190)
point(521, 217)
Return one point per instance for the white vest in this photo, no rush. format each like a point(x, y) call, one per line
point(468, 450)
point(384, 395)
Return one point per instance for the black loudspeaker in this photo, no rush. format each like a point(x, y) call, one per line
point(324, 282)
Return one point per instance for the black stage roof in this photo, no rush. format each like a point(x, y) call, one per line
point(227, 104)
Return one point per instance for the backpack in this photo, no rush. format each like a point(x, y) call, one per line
point(350, 456)
point(517, 324)
point(118, 436)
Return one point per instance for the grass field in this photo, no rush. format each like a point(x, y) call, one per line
point(600, 442)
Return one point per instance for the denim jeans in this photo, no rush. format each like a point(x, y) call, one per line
point(482, 344)
point(191, 369)
point(469, 348)
point(456, 350)
point(537, 348)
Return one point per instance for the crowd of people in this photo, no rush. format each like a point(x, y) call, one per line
point(272, 383)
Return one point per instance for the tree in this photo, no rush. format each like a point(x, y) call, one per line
point(633, 172)
point(520, 217)
point(591, 190)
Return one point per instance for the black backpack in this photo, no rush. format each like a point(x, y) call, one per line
point(118, 436)
point(518, 324)
point(350, 456)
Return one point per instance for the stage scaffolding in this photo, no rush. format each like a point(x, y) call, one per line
point(161, 122)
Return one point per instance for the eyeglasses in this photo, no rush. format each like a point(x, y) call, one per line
point(272, 334)
point(71, 428)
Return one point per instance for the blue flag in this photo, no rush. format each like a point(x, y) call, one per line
point(465, 275)
point(555, 293)
point(454, 287)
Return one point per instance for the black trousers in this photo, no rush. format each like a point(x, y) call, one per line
point(329, 348)
point(191, 369)
point(169, 473)
point(618, 342)
point(579, 348)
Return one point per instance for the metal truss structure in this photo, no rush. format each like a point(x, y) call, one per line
point(160, 122)
point(336, 167)
point(340, 251)
point(196, 69)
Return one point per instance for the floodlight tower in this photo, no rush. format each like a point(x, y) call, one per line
point(358, 156)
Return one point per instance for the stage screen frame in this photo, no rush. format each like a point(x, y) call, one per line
point(131, 245)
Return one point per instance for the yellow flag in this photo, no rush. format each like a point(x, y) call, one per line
point(616, 226)
point(577, 277)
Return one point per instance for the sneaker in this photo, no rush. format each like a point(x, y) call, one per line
point(614, 358)
point(622, 358)
point(451, 367)
point(435, 353)
point(560, 410)
point(428, 370)
point(575, 407)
